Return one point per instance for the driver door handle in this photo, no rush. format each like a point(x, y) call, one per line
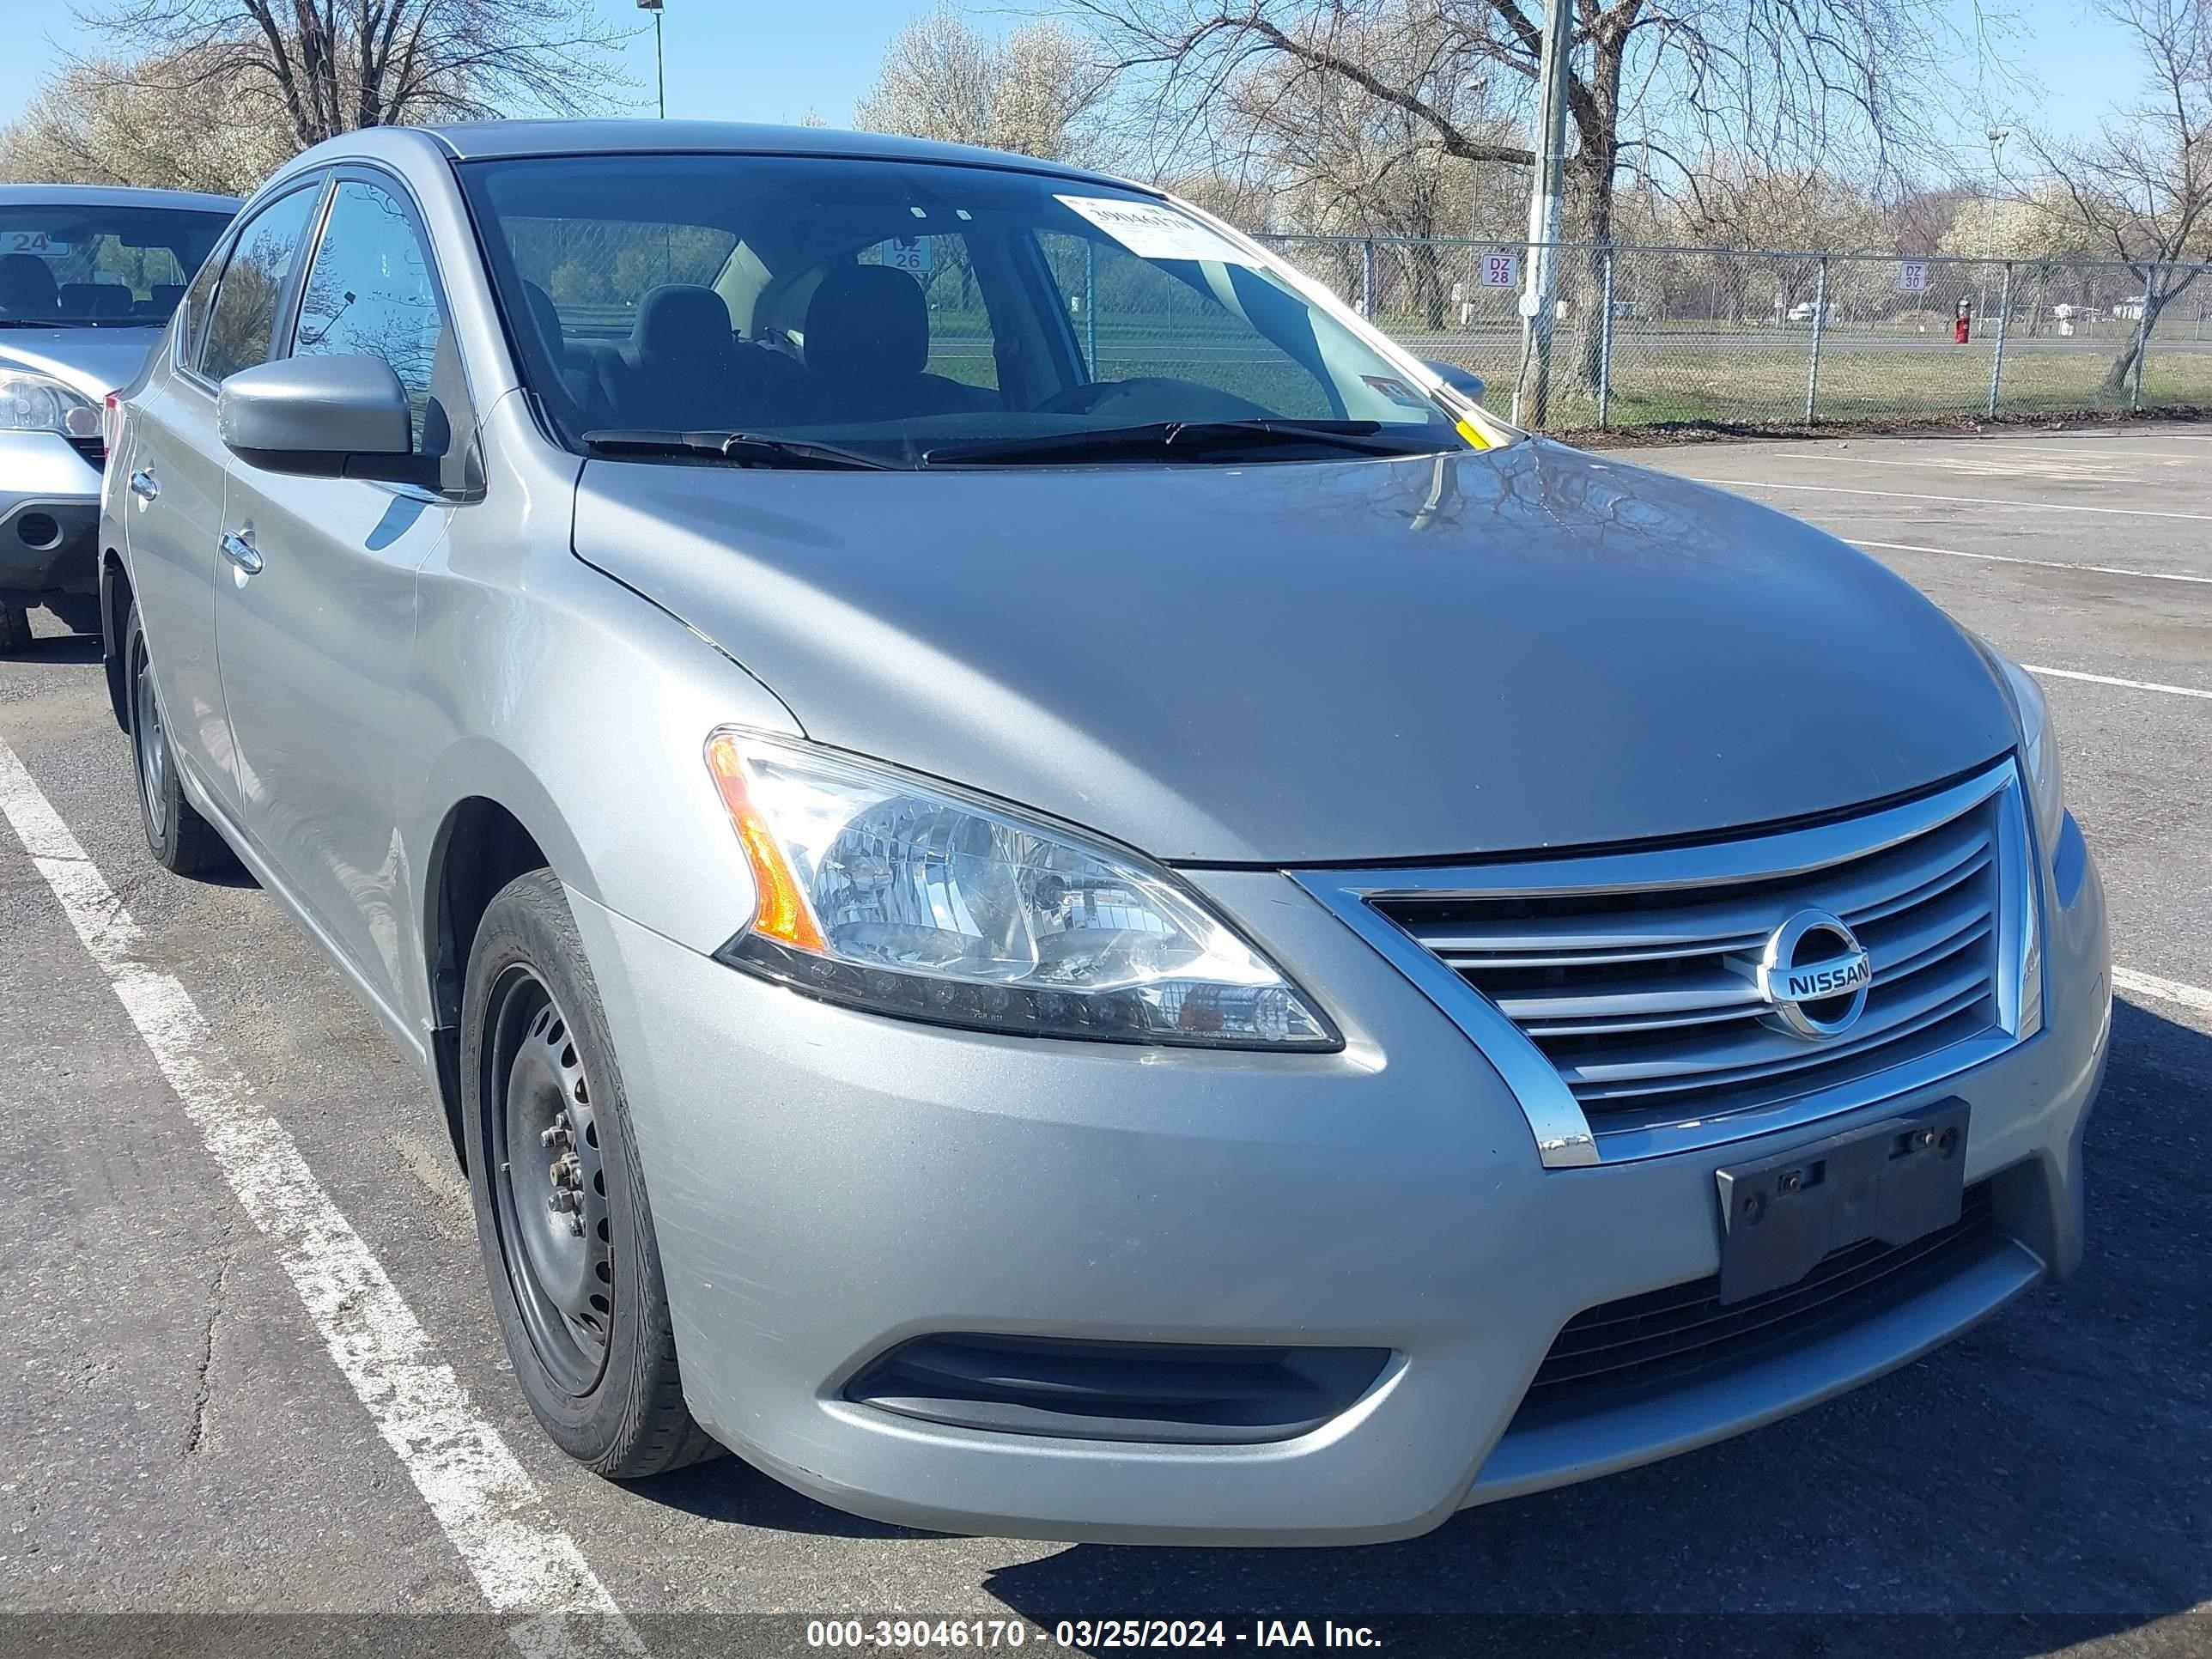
point(143, 486)
point(238, 547)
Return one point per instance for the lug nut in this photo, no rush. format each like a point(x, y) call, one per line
point(558, 1134)
point(562, 1200)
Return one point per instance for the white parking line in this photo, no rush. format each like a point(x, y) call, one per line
point(2041, 564)
point(2166, 990)
point(524, 1563)
point(2107, 679)
point(1956, 500)
point(2065, 440)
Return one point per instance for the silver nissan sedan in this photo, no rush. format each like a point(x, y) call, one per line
point(1050, 889)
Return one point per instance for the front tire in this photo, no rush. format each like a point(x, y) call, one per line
point(14, 629)
point(560, 1208)
point(180, 840)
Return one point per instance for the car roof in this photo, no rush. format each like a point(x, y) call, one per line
point(474, 141)
point(111, 196)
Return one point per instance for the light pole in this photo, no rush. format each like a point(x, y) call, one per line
point(659, 72)
point(1478, 86)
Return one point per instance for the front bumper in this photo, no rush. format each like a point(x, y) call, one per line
point(828, 1184)
point(49, 518)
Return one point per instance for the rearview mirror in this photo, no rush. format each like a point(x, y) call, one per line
point(1465, 381)
point(323, 417)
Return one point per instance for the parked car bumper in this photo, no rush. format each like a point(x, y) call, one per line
point(827, 1184)
point(49, 518)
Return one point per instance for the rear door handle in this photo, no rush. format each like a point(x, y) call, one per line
point(143, 486)
point(238, 547)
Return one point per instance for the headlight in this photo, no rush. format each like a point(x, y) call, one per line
point(36, 403)
point(2039, 748)
point(883, 892)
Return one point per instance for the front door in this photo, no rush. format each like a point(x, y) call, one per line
point(315, 619)
point(177, 465)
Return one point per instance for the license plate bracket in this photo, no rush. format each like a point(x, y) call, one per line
point(1894, 1180)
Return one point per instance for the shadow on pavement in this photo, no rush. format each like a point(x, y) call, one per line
point(59, 648)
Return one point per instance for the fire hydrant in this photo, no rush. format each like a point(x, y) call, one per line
point(1963, 329)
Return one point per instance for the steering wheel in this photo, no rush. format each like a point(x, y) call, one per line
point(1079, 399)
point(1152, 397)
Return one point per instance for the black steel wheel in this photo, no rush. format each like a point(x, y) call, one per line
point(180, 839)
point(549, 1190)
point(561, 1215)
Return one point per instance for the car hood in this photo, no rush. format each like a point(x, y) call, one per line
point(1301, 663)
point(92, 361)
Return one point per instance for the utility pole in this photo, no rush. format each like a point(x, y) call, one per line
point(1538, 311)
point(660, 71)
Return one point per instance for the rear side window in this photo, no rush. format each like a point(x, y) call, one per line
point(240, 328)
point(370, 293)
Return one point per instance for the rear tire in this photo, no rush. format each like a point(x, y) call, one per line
point(562, 1215)
point(180, 840)
point(14, 629)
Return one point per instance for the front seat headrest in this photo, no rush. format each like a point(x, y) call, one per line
point(680, 319)
point(867, 322)
point(26, 286)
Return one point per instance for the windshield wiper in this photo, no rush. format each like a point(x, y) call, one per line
point(1178, 440)
point(742, 448)
point(31, 322)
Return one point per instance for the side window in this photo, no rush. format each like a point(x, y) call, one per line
point(252, 286)
point(192, 310)
point(370, 294)
point(1133, 318)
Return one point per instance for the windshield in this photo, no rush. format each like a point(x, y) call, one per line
point(907, 313)
point(90, 265)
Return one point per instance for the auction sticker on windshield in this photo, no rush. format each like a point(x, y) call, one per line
point(1153, 231)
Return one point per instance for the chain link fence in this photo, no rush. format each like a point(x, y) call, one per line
point(1645, 336)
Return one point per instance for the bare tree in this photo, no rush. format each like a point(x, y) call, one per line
point(2141, 189)
point(99, 123)
point(1336, 158)
point(332, 66)
point(1807, 84)
point(1033, 92)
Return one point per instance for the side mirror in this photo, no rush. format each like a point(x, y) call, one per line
point(323, 417)
point(1465, 381)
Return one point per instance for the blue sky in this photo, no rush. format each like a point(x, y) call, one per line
point(739, 59)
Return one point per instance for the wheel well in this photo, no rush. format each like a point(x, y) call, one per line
point(114, 606)
point(481, 848)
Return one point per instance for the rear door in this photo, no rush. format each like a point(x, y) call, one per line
point(177, 464)
point(316, 638)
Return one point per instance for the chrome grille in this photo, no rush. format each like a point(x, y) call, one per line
point(1632, 997)
point(1631, 975)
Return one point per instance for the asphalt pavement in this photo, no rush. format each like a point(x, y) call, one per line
point(187, 1465)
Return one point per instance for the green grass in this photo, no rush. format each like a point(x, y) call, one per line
point(1761, 379)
